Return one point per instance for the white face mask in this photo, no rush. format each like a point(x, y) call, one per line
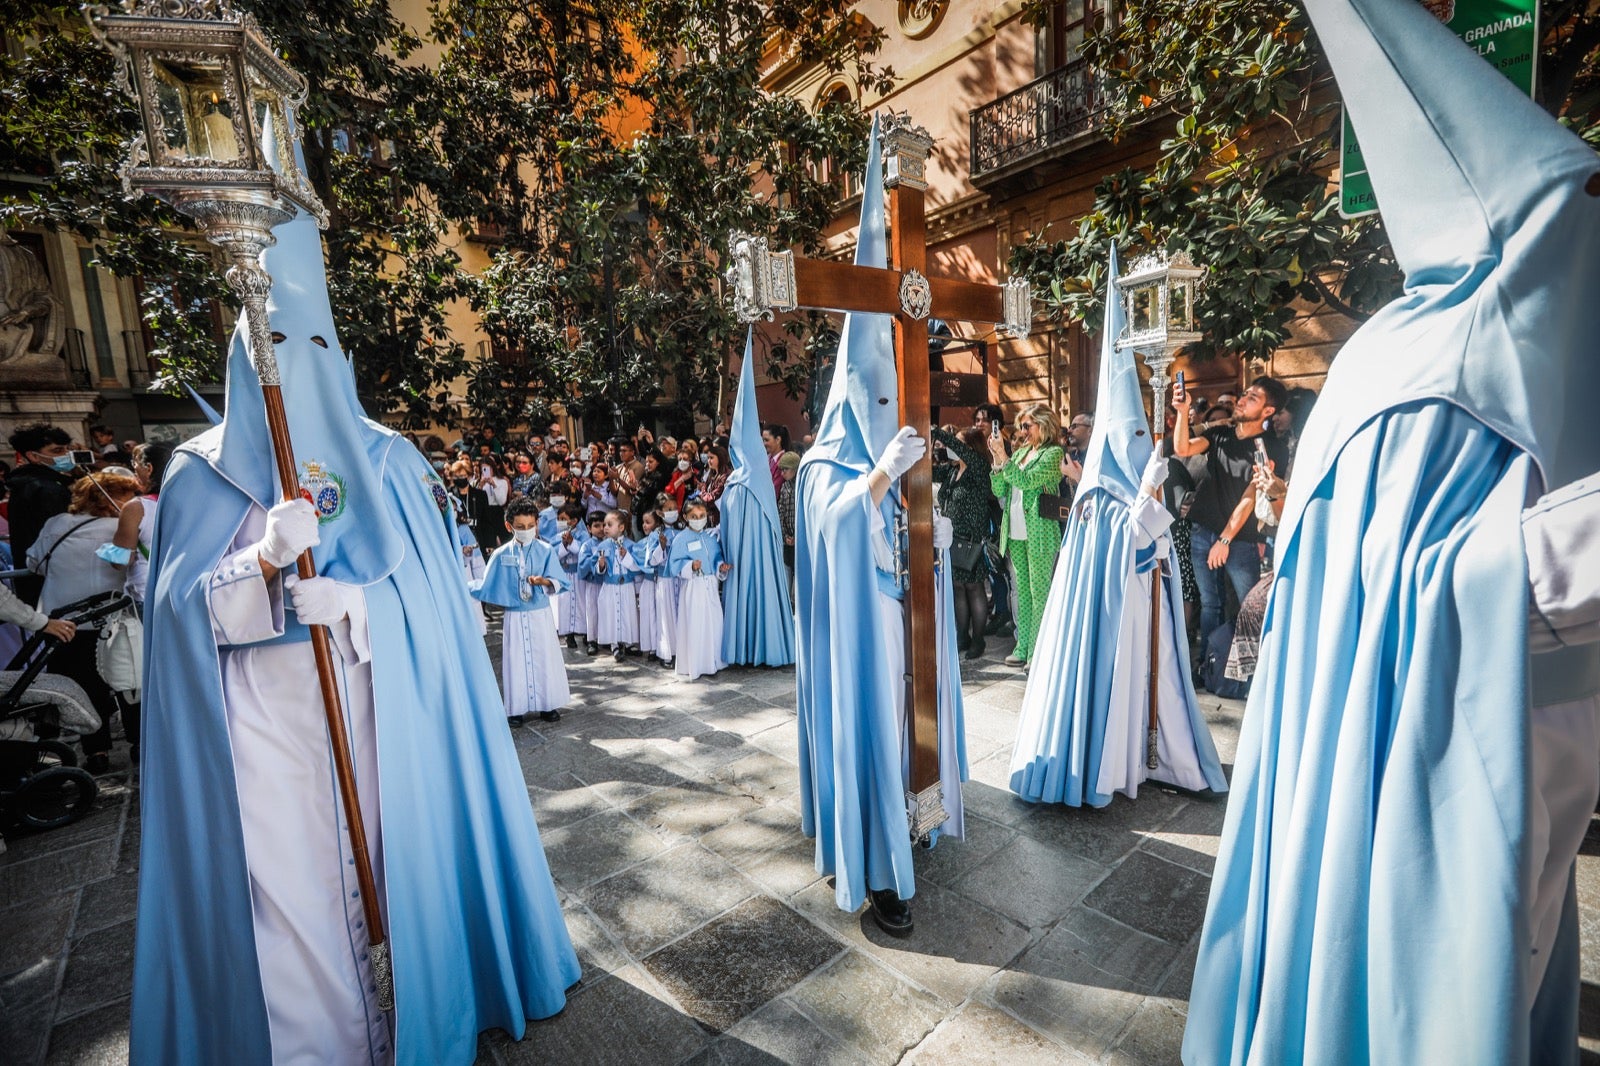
point(557, 501)
point(669, 517)
point(683, 464)
point(524, 536)
point(697, 524)
point(563, 525)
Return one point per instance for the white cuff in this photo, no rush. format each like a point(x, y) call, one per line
point(245, 608)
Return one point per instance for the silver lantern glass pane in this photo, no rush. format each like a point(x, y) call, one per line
point(193, 110)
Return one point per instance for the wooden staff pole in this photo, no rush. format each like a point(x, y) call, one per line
point(908, 251)
point(248, 278)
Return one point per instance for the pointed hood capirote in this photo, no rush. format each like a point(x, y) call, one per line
point(758, 626)
point(1493, 209)
point(339, 451)
point(1120, 446)
point(863, 408)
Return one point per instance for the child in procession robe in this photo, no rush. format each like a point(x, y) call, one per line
point(616, 619)
point(572, 621)
point(650, 553)
point(550, 516)
point(696, 561)
point(588, 585)
point(521, 576)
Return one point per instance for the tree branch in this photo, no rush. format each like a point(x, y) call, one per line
point(1334, 302)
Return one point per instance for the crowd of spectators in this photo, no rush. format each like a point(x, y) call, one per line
point(79, 519)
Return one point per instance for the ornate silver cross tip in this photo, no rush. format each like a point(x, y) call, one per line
point(925, 810)
point(762, 280)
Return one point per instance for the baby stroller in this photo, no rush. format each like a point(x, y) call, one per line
point(41, 786)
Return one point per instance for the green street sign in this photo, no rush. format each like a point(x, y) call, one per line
point(1504, 32)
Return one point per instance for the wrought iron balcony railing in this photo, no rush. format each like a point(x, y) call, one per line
point(1044, 113)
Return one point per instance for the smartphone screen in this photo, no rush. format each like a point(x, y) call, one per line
point(1180, 391)
point(994, 431)
point(1261, 454)
point(83, 458)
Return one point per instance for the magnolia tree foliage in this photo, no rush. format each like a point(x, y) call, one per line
point(1251, 124)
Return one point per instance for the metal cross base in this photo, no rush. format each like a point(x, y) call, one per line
point(926, 812)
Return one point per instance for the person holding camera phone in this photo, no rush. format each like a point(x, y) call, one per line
point(1224, 535)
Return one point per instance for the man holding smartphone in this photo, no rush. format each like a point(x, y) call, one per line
point(40, 488)
point(1230, 453)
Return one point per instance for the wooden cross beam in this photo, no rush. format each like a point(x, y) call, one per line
point(766, 281)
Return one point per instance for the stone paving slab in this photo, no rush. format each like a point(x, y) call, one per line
point(669, 812)
point(738, 962)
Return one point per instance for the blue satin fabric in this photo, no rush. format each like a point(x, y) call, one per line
point(1369, 899)
point(758, 624)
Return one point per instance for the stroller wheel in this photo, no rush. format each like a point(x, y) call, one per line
point(54, 797)
point(55, 753)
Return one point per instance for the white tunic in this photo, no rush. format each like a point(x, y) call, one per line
point(699, 619)
point(533, 675)
point(310, 929)
point(1562, 536)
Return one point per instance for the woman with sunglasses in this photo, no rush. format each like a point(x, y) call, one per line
point(1027, 538)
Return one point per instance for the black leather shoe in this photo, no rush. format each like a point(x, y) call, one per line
point(975, 650)
point(616, 653)
point(515, 720)
point(572, 640)
point(549, 716)
point(592, 648)
point(892, 913)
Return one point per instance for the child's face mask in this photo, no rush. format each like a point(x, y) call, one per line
point(697, 524)
point(669, 517)
point(524, 536)
point(683, 464)
point(557, 501)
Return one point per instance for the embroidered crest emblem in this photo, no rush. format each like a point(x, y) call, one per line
point(324, 488)
point(1086, 510)
point(441, 498)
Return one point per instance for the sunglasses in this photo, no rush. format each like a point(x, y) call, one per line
point(1025, 426)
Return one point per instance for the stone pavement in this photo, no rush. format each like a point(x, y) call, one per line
point(670, 817)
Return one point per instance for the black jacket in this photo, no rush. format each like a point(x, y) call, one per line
point(38, 494)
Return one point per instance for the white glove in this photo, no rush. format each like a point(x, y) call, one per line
point(944, 533)
point(318, 601)
point(901, 453)
point(1155, 473)
point(291, 529)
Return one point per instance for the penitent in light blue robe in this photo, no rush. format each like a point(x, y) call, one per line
point(476, 931)
point(852, 766)
point(1371, 898)
point(1082, 729)
point(757, 623)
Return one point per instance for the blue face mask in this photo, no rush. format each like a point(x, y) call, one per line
point(64, 463)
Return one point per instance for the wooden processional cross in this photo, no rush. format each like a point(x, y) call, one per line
point(766, 281)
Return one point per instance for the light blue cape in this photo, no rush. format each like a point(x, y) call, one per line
point(1061, 733)
point(1369, 899)
point(852, 796)
point(758, 625)
point(475, 928)
point(508, 571)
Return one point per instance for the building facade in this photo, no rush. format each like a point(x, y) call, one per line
point(1017, 155)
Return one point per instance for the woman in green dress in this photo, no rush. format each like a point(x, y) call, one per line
point(1027, 539)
